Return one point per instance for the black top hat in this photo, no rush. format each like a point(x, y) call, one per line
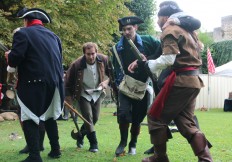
point(129, 20)
point(34, 13)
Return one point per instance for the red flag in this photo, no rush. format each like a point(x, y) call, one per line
point(211, 67)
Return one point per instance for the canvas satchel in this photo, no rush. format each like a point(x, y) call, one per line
point(129, 86)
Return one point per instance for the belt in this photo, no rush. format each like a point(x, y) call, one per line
point(188, 73)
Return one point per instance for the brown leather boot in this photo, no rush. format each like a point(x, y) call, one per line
point(154, 158)
point(200, 147)
point(159, 155)
point(205, 156)
point(149, 151)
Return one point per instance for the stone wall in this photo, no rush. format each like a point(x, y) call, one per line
point(225, 31)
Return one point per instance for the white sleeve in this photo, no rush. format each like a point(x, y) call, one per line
point(161, 63)
point(11, 69)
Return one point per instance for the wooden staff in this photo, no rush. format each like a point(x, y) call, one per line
point(4, 48)
point(76, 112)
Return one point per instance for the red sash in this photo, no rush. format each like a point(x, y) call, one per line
point(158, 104)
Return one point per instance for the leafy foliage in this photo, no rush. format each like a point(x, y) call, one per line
point(145, 9)
point(207, 40)
point(74, 21)
point(221, 53)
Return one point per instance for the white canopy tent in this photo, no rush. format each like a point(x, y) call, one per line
point(224, 70)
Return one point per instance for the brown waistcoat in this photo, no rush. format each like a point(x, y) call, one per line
point(74, 76)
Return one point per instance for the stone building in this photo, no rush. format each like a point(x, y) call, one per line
point(225, 31)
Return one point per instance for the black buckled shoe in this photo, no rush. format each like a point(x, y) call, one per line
point(30, 159)
point(93, 148)
point(54, 154)
point(25, 150)
point(149, 151)
point(120, 151)
point(80, 141)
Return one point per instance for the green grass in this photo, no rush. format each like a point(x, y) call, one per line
point(216, 124)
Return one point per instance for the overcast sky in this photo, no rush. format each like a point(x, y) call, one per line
point(209, 12)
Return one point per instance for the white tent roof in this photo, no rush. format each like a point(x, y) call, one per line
point(224, 70)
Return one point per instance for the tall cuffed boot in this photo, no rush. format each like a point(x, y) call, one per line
point(160, 154)
point(41, 137)
point(25, 150)
point(31, 133)
point(198, 126)
point(80, 137)
point(93, 142)
point(124, 135)
point(200, 147)
point(52, 133)
point(135, 130)
point(149, 151)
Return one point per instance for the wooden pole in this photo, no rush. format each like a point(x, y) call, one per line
point(76, 112)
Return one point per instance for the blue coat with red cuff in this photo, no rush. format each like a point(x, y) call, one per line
point(37, 54)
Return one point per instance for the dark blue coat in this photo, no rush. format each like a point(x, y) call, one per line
point(37, 53)
point(146, 44)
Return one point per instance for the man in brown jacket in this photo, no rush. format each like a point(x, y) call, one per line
point(85, 82)
point(177, 98)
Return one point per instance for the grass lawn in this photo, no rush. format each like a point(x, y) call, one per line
point(216, 124)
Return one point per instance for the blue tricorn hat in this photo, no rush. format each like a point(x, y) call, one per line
point(129, 20)
point(34, 13)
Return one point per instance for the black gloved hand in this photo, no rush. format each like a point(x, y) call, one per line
point(141, 64)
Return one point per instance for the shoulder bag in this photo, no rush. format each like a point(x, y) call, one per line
point(129, 86)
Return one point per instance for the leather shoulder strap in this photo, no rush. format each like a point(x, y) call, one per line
point(117, 57)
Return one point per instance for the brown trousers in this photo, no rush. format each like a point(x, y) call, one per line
point(90, 111)
point(179, 106)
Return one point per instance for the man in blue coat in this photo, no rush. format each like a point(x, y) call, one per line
point(37, 55)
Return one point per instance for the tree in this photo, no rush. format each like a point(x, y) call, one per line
point(145, 9)
point(207, 40)
point(74, 21)
point(222, 52)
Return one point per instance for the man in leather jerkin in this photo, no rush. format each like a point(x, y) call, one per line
point(177, 98)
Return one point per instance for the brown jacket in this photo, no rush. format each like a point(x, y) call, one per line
point(74, 75)
point(185, 45)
